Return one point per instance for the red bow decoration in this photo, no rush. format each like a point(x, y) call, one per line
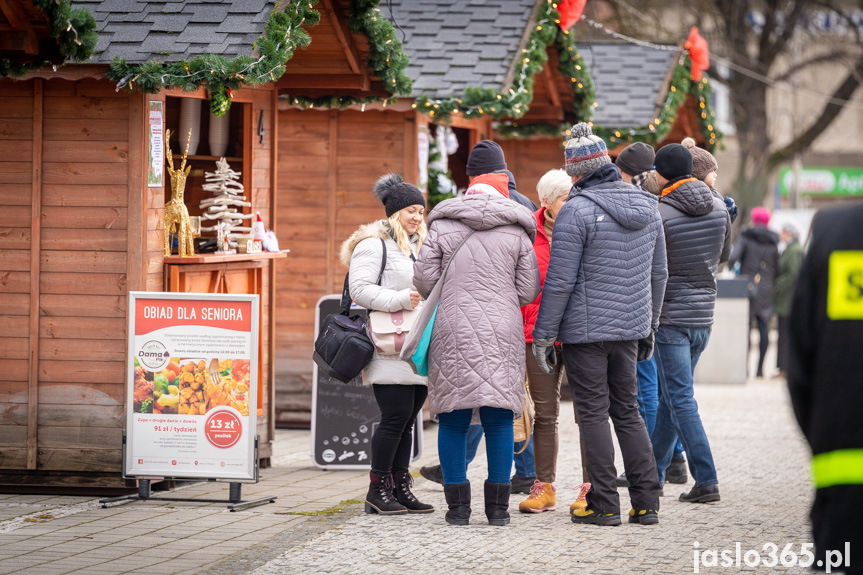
point(697, 47)
point(570, 11)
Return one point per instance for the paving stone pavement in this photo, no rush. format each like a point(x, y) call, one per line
point(764, 480)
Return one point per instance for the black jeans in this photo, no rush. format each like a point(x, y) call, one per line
point(391, 443)
point(602, 377)
point(763, 339)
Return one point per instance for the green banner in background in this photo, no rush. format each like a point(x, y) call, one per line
point(823, 181)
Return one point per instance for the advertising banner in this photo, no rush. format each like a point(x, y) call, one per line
point(823, 181)
point(191, 394)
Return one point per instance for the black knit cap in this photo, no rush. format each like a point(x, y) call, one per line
point(673, 161)
point(636, 159)
point(485, 158)
point(396, 194)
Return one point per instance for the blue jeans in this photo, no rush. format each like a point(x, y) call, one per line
point(648, 398)
point(524, 460)
point(677, 352)
point(452, 443)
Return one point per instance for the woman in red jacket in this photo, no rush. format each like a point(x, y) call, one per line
point(553, 189)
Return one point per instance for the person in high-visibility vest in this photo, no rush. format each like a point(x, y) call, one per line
point(825, 380)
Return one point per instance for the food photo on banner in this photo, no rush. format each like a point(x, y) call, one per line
point(192, 398)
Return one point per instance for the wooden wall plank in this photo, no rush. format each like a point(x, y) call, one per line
point(75, 327)
point(14, 194)
point(83, 261)
point(80, 437)
point(14, 282)
point(86, 129)
point(14, 369)
point(63, 107)
point(14, 347)
point(14, 238)
point(35, 274)
point(13, 391)
point(65, 195)
point(73, 305)
point(15, 326)
point(80, 459)
point(83, 349)
point(81, 394)
point(69, 173)
point(99, 240)
point(85, 416)
point(14, 260)
point(86, 152)
point(15, 150)
point(13, 107)
point(16, 304)
point(13, 458)
point(136, 249)
point(16, 128)
point(13, 414)
point(85, 283)
point(81, 218)
point(13, 435)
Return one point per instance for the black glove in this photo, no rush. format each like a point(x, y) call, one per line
point(543, 351)
point(645, 347)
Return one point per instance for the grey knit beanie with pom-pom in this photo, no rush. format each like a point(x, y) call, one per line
point(584, 151)
point(396, 194)
point(703, 161)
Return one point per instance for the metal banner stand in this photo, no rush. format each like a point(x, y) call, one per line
point(234, 490)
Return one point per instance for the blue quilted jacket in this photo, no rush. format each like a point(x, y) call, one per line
point(607, 272)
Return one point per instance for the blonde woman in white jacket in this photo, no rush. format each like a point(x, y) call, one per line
point(399, 392)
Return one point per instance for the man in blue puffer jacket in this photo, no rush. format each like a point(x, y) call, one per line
point(698, 238)
point(602, 296)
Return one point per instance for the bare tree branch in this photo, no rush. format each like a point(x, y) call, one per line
point(810, 62)
point(832, 109)
point(789, 26)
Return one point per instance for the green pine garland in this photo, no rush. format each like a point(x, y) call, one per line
point(283, 33)
point(680, 87)
point(75, 31)
point(514, 102)
point(386, 57)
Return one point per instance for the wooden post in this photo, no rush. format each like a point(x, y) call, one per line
point(333, 182)
point(271, 267)
point(35, 263)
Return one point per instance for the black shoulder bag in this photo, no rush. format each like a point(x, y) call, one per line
point(343, 347)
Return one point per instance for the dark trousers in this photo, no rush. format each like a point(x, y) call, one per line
point(391, 443)
point(545, 391)
point(782, 350)
point(602, 377)
point(763, 340)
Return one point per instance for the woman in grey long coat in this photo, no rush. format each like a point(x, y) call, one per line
point(477, 353)
point(399, 392)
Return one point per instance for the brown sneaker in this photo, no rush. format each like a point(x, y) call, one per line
point(542, 498)
point(581, 502)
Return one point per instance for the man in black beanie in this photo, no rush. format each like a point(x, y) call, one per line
point(487, 157)
point(698, 238)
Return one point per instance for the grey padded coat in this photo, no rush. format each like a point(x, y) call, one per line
point(476, 355)
point(607, 272)
point(362, 254)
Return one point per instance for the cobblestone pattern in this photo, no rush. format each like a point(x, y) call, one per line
point(762, 463)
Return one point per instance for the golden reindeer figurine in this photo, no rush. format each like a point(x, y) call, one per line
point(176, 214)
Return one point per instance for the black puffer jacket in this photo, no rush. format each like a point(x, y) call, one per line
point(757, 250)
point(697, 240)
point(824, 374)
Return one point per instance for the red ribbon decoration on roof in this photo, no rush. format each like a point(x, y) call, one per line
point(697, 47)
point(570, 11)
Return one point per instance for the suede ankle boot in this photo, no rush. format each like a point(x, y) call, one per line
point(497, 503)
point(458, 500)
point(380, 498)
point(404, 495)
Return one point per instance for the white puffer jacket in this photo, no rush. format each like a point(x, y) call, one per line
point(362, 254)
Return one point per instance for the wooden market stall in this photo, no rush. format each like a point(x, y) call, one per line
point(83, 228)
point(504, 71)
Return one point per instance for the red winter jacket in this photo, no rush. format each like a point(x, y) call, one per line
point(543, 252)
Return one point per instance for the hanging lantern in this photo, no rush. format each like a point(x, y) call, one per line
point(570, 11)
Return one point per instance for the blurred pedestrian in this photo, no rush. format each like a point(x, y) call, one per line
point(698, 238)
point(783, 290)
point(399, 392)
point(825, 383)
point(553, 189)
point(601, 300)
point(514, 194)
point(476, 363)
point(635, 163)
point(757, 250)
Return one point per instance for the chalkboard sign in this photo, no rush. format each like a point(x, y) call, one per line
point(344, 415)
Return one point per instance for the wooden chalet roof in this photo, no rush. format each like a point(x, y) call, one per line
point(172, 30)
point(629, 80)
point(455, 44)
